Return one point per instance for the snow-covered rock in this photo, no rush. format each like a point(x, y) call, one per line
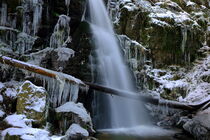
point(77, 109)
point(11, 93)
point(32, 102)
point(75, 131)
point(19, 121)
point(71, 112)
point(25, 134)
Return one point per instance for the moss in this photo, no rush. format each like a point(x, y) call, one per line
point(13, 137)
point(25, 98)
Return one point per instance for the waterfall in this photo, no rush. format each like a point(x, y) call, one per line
point(113, 112)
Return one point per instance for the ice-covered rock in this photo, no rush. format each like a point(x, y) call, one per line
point(70, 113)
point(32, 102)
point(196, 129)
point(25, 134)
point(75, 131)
point(204, 118)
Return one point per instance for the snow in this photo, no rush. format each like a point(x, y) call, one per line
point(159, 22)
point(190, 3)
point(11, 92)
point(1, 85)
point(130, 7)
point(33, 88)
point(34, 102)
point(27, 133)
point(64, 53)
point(173, 84)
point(57, 137)
point(76, 129)
point(2, 113)
point(18, 121)
point(37, 104)
point(200, 92)
point(77, 109)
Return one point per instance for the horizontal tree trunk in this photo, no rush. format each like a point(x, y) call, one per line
point(103, 89)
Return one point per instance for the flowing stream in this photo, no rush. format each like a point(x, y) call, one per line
point(112, 111)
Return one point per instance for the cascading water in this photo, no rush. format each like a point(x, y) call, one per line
point(115, 112)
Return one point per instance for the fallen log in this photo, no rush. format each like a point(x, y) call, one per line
point(103, 89)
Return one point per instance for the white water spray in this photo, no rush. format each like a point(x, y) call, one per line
point(113, 72)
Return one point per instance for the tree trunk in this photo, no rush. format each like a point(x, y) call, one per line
point(103, 89)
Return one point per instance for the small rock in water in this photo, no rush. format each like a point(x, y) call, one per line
point(75, 131)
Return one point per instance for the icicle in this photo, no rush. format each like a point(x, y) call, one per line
point(24, 43)
point(184, 39)
point(61, 34)
point(59, 90)
point(67, 2)
point(3, 19)
point(37, 15)
point(34, 6)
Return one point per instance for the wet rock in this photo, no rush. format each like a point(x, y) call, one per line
point(32, 101)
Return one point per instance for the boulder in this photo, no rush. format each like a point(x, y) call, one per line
point(19, 121)
point(32, 102)
point(70, 113)
point(76, 132)
point(197, 130)
point(203, 117)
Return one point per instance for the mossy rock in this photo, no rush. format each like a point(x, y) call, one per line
point(32, 102)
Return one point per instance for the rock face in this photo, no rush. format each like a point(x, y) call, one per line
point(172, 34)
point(32, 101)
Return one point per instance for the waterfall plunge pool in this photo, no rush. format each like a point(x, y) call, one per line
point(143, 132)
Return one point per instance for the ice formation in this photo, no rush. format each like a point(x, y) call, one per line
point(24, 42)
point(31, 27)
point(60, 90)
point(67, 2)
point(61, 34)
point(64, 53)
